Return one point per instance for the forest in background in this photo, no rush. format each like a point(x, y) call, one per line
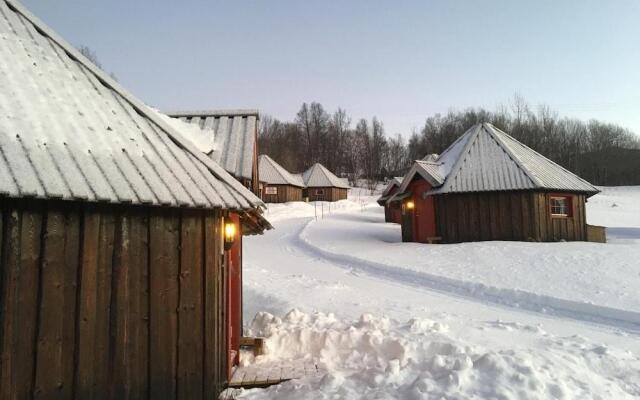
point(602, 153)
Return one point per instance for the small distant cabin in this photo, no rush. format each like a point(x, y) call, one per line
point(117, 278)
point(278, 184)
point(489, 186)
point(391, 209)
point(230, 138)
point(322, 185)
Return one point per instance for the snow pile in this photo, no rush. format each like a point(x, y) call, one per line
point(378, 358)
point(202, 138)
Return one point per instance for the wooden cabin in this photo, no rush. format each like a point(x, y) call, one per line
point(489, 186)
point(116, 235)
point(392, 212)
point(230, 138)
point(278, 185)
point(322, 185)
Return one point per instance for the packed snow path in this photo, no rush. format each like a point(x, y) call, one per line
point(319, 240)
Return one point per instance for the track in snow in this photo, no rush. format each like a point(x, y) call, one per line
point(514, 299)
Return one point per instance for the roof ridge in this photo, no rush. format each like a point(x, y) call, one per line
point(493, 132)
point(458, 164)
point(138, 105)
point(280, 170)
point(232, 112)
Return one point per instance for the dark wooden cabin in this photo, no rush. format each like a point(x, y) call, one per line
point(116, 280)
point(489, 186)
point(322, 185)
point(392, 212)
point(233, 138)
point(278, 185)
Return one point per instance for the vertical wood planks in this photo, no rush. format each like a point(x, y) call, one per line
point(190, 316)
point(50, 372)
point(211, 256)
point(101, 302)
point(139, 289)
point(102, 349)
point(19, 302)
point(27, 293)
point(119, 320)
point(9, 302)
point(87, 300)
point(93, 343)
point(164, 270)
point(129, 304)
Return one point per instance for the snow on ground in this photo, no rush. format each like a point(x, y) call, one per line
point(586, 274)
point(357, 200)
point(483, 320)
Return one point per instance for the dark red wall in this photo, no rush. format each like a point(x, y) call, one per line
point(235, 295)
point(424, 221)
point(388, 209)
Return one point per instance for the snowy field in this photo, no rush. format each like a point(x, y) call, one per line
point(503, 320)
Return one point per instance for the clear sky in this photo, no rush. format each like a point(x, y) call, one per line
point(399, 60)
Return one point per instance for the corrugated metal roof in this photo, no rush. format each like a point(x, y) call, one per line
point(274, 174)
point(319, 176)
point(68, 131)
point(428, 170)
point(233, 134)
point(487, 159)
point(393, 183)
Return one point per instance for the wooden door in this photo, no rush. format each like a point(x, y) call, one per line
point(407, 224)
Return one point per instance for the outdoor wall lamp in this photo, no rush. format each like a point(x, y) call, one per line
point(410, 205)
point(229, 235)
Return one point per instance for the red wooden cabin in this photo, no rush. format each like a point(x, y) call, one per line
point(489, 186)
point(392, 212)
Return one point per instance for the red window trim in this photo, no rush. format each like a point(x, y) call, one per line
point(569, 200)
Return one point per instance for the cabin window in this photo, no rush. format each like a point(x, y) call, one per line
point(319, 192)
point(271, 190)
point(560, 206)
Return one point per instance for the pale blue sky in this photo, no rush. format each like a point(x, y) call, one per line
point(398, 60)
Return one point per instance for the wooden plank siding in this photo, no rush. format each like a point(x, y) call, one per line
point(327, 194)
point(111, 302)
point(523, 215)
point(284, 193)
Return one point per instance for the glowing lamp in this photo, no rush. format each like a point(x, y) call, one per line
point(410, 205)
point(229, 235)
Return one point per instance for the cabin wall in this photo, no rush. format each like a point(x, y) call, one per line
point(516, 215)
point(419, 222)
point(101, 301)
point(284, 193)
point(553, 229)
point(234, 262)
point(390, 209)
point(395, 211)
point(328, 194)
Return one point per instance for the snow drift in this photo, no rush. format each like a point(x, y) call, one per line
point(378, 358)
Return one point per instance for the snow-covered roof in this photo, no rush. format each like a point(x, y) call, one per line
point(487, 159)
point(69, 131)
point(229, 137)
point(273, 173)
point(428, 170)
point(319, 176)
point(386, 193)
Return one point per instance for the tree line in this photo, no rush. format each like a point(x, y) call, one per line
point(602, 153)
